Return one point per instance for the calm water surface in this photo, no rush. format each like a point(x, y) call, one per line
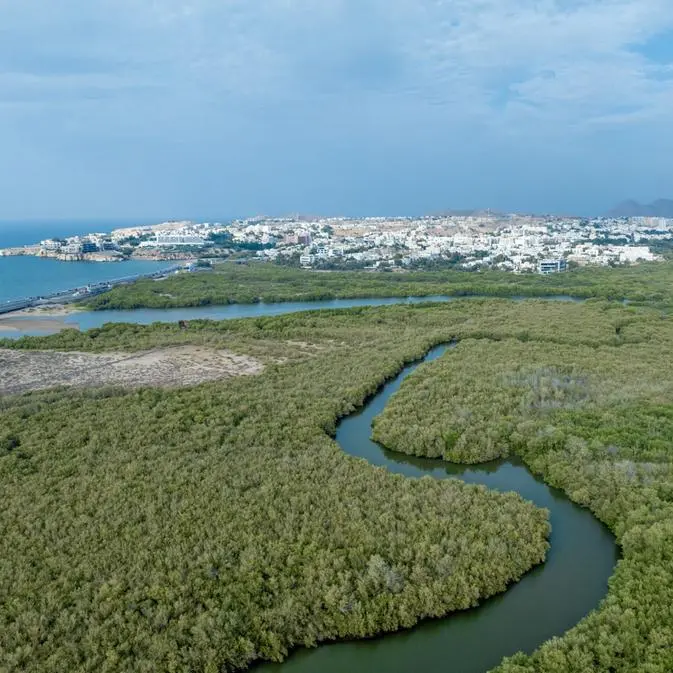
point(33, 277)
point(88, 319)
point(545, 603)
point(30, 277)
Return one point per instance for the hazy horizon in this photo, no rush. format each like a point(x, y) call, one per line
point(116, 110)
point(89, 223)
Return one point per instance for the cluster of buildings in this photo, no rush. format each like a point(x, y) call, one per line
point(168, 240)
point(94, 247)
point(518, 243)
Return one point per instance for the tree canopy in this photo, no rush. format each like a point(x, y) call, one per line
point(209, 527)
point(258, 281)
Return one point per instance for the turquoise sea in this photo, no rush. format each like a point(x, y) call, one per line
point(29, 232)
point(31, 276)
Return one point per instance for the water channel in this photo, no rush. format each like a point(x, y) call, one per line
point(545, 603)
point(144, 316)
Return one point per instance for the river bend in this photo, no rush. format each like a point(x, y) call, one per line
point(547, 602)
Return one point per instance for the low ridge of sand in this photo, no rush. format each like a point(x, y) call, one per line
point(21, 371)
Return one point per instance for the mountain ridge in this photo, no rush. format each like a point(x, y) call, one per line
point(632, 208)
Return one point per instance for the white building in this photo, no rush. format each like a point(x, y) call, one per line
point(634, 253)
point(178, 239)
point(552, 266)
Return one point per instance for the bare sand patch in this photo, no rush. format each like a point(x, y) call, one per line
point(21, 371)
point(44, 310)
point(47, 319)
point(45, 325)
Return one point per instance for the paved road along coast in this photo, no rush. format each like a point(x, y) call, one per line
point(74, 294)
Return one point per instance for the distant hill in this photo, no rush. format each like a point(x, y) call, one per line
point(660, 208)
point(457, 212)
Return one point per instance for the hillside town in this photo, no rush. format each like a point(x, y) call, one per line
point(517, 243)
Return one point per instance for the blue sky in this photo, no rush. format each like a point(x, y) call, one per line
point(214, 108)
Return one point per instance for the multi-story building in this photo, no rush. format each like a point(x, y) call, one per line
point(171, 238)
point(552, 266)
point(89, 246)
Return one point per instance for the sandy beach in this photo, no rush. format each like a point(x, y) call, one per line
point(46, 311)
point(39, 325)
point(49, 319)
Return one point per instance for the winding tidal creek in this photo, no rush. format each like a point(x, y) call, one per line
point(547, 602)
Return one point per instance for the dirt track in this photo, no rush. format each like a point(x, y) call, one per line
point(21, 371)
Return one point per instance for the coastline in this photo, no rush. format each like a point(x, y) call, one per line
point(101, 256)
point(47, 310)
point(35, 251)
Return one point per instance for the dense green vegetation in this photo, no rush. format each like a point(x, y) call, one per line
point(593, 416)
point(239, 283)
point(211, 526)
point(204, 528)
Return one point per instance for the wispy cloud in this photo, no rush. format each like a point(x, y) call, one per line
point(551, 52)
point(395, 71)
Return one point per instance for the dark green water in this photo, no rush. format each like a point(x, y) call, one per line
point(545, 603)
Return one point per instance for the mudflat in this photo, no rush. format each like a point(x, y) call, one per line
point(34, 324)
point(48, 318)
point(48, 310)
point(22, 371)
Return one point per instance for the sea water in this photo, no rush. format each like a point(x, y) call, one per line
point(32, 276)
